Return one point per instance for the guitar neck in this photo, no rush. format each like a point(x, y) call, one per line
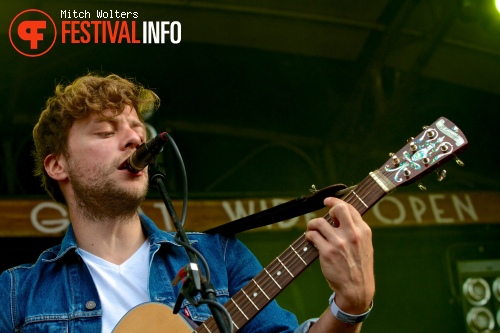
point(262, 289)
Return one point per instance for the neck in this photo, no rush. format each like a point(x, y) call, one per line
point(113, 239)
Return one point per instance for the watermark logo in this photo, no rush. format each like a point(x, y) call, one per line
point(32, 33)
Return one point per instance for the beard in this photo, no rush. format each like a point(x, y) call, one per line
point(101, 199)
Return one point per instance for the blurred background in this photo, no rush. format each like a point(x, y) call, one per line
point(266, 98)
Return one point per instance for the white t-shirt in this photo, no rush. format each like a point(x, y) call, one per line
point(120, 287)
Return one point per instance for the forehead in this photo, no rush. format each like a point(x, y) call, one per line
point(128, 114)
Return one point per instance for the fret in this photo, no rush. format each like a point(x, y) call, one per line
point(234, 324)
point(248, 297)
point(206, 327)
point(368, 192)
point(359, 199)
point(272, 278)
point(298, 255)
point(285, 267)
point(261, 289)
point(328, 219)
point(243, 313)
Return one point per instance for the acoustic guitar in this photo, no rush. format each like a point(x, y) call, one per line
point(434, 146)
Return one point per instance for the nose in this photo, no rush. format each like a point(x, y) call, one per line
point(132, 139)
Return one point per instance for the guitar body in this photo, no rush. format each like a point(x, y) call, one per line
point(152, 318)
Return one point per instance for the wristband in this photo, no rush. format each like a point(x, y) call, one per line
point(347, 317)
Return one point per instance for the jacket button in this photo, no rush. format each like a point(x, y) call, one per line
point(90, 305)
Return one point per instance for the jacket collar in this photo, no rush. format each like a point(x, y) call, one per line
point(156, 237)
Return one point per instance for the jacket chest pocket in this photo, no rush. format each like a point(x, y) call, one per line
point(201, 313)
point(61, 324)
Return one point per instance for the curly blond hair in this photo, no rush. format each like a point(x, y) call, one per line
point(86, 95)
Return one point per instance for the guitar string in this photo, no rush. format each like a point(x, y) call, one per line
point(272, 268)
point(288, 261)
point(283, 261)
point(355, 203)
point(276, 266)
point(366, 191)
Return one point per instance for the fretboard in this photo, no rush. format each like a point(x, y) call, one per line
point(262, 289)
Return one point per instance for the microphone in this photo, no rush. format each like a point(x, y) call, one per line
point(145, 153)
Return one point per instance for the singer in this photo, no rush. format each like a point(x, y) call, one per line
point(113, 258)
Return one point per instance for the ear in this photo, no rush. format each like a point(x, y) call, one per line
point(55, 166)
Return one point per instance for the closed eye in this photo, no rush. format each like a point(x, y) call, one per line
point(105, 134)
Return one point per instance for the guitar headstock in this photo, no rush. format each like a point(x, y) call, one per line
point(424, 153)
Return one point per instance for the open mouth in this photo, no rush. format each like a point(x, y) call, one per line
point(123, 165)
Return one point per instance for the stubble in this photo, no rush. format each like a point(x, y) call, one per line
point(101, 199)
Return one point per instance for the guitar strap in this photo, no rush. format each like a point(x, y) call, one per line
point(290, 209)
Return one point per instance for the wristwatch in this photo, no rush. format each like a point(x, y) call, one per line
point(347, 317)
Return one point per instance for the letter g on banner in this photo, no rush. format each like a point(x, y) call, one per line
point(49, 226)
point(30, 33)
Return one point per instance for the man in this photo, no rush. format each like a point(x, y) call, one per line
point(113, 259)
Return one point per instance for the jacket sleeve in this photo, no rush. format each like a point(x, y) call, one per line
point(6, 303)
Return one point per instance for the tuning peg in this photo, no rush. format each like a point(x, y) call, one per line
point(459, 161)
point(426, 160)
point(413, 146)
point(313, 189)
point(410, 139)
point(407, 172)
point(441, 175)
point(421, 186)
point(395, 160)
point(444, 148)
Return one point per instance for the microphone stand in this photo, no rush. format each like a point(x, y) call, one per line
point(193, 279)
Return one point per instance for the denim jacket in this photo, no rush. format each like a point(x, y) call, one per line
point(57, 293)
